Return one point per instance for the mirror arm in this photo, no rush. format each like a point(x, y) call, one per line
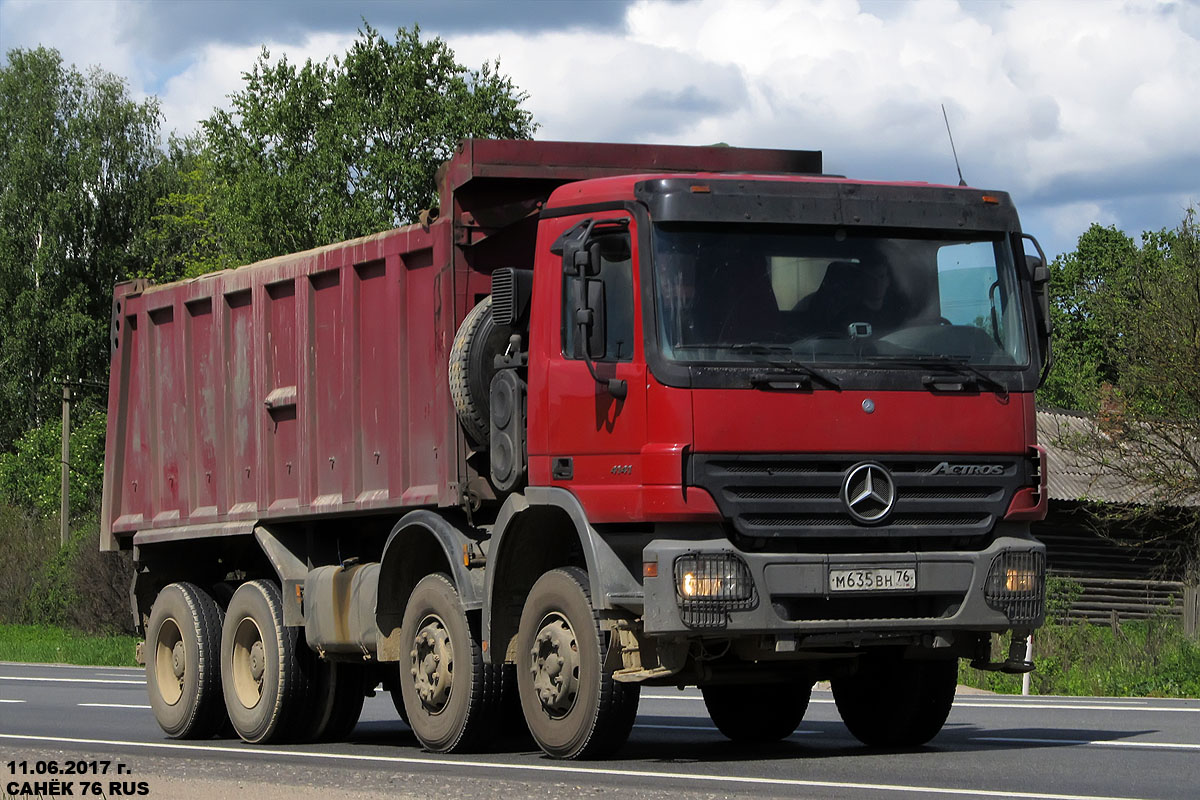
point(619, 389)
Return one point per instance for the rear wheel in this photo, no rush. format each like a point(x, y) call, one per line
point(266, 669)
point(338, 700)
point(757, 713)
point(183, 654)
point(451, 696)
point(892, 702)
point(573, 707)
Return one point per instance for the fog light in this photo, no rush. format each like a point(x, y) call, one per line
point(1018, 580)
point(709, 585)
point(1016, 585)
point(691, 586)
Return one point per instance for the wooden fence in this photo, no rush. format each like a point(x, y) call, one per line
point(1102, 598)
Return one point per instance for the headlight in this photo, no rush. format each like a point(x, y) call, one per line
point(710, 585)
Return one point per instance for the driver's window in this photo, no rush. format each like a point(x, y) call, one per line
point(967, 284)
point(616, 272)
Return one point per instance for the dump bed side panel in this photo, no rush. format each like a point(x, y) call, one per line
point(308, 384)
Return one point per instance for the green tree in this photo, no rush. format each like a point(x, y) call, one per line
point(189, 233)
point(328, 151)
point(1088, 288)
point(77, 153)
point(1127, 343)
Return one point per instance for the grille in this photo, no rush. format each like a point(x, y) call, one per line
point(922, 606)
point(799, 497)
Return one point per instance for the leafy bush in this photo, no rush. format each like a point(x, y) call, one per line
point(31, 475)
point(76, 586)
point(1146, 658)
point(27, 541)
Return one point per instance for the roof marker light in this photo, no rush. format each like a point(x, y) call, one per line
point(698, 188)
point(992, 199)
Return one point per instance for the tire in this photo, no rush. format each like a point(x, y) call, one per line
point(757, 713)
point(392, 685)
point(266, 668)
point(574, 709)
point(183, 651)
point(451, 697)
point(478, 341)
point(891, 702)
point(337, 701)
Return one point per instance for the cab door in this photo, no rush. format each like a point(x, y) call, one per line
point(594, 436)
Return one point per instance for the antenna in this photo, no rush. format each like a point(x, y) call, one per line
point(961, 182)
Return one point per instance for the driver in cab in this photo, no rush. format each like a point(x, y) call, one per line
point(851, 294)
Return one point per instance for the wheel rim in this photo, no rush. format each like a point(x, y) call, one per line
point(554, 664)
point(170, 662)
point(249, 663)
point(432, 670)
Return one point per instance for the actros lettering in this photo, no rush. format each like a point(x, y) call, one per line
point(946, 468)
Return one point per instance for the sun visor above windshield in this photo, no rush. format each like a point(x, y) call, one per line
point(834, 204)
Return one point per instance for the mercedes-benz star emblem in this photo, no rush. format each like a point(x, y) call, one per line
point(868, 492)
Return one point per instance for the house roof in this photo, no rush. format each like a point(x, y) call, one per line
point(1072, 476)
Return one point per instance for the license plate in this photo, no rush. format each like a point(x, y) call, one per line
point(891, 579)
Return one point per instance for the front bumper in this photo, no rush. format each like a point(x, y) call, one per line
point(791, 593)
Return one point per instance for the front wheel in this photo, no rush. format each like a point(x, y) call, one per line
point(892, 702)
point(573, 707)
point(757, 712)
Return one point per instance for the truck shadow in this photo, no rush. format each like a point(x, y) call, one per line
point(670, 740)
point(665, 740)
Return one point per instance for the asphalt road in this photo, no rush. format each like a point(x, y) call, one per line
point(992, 746)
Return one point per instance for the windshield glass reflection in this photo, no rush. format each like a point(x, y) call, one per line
point(731, 294)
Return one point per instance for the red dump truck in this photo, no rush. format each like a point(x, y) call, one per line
point(612, 416)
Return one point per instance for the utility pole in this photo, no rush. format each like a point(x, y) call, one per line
point(65, 508)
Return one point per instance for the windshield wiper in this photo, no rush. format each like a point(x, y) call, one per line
point(959, 365)
point(789, 363)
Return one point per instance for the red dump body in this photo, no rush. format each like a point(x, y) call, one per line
point(316, 383)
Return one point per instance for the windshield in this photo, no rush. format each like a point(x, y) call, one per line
point(731, 293)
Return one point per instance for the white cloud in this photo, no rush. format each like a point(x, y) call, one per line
point(1051, 100)
point(1077, 108)
point(217, 71)
point(601, 87)
point(85, 33)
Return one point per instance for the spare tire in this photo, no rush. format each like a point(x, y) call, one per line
point(472, 364)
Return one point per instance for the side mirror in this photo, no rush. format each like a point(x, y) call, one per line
point(591, 317)
point(1039, 279)
point(1039, 276)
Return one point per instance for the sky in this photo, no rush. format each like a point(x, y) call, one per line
point(1084, 110)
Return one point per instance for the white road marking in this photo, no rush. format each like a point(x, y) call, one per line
point(69, 680)
point(1088, 704)
point(1075, 706)
point(4, 700)
point(570, 770)
point(109, 705)
point(64, 666)
point(1095, 742)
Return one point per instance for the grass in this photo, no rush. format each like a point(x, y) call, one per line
point(1151, 658)
point(1140, 659)
point(52, 645)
